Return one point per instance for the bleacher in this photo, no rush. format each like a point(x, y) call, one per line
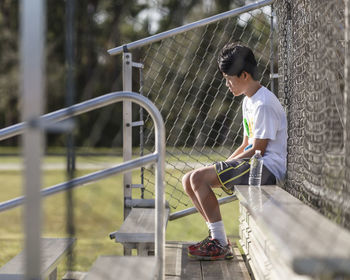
point(191, 122)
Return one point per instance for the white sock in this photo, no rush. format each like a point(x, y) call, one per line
point(217, 231)
point(208, 224)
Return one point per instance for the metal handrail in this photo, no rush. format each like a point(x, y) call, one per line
point(187, 27)
point(83, 180)
point(158, 157)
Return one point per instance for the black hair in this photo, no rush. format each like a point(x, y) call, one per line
point(234, 59)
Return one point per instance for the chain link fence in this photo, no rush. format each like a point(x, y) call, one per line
point(311, 67)
point(202, 118)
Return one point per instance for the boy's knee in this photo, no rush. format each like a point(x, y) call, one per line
point(196, 179)
point(186, 182)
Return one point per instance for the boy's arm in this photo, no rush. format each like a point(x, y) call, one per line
point(258, 144)
point(240, 149)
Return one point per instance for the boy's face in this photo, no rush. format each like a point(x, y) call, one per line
point(237, 85)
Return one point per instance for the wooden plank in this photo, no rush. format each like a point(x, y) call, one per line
point(317, 242)
point(241, 265)
point(263, 259)
point(226, 269)
point(254, 258)
point(52, 250)
point(177, 263)
point(123, 267)
point(217, 270)
point(312, 220)
point(180, 266)
point(74, 275)
point(138, 227)
point(268, 253)
point(173, 260)
point(190, 269)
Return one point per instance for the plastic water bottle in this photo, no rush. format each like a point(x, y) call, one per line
point(256, 165)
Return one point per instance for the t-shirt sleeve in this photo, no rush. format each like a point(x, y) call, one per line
point(266, 122)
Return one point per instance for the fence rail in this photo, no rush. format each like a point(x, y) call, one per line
point(188, 27)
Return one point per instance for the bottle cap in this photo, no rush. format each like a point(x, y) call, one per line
point(257, 151)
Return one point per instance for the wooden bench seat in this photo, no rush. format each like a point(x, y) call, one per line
point(137, 231)
point(126, 267)
point(52, 251)
point(284, 238)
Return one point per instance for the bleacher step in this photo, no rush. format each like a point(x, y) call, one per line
point(122, 267)
point(179, 266)
point(74, 275)
point(138, 227)
point(52, 251)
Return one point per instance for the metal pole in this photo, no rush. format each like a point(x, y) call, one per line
point(193, 210)
point(346, 93)
point(32, 26)
point(272, 52)
point(142, 137)
point(70, 81)
point(160, 219)
point(127, 133)
point(70, 99)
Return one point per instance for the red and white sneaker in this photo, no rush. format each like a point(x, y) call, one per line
point(199, 244)
point(211, 250)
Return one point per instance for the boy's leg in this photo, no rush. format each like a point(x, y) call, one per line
point(186, 182)
point(199, 184)
point(202, 181)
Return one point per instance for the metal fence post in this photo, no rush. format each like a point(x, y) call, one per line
point(346, 92)
point(272, 50)
point(127, 133)
point(32, 26)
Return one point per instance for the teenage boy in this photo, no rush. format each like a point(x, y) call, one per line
point(265, 129)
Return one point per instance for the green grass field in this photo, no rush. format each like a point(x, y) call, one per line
point(98, 210)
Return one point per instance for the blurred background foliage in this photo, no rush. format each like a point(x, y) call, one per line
point(98, 26)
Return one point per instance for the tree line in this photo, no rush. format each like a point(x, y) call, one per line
point(98, 26)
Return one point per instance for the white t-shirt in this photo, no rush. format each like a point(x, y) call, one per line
point(265, 118)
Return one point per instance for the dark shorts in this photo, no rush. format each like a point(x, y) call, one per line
point(236, 172)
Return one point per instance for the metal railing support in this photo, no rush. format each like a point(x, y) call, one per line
point(127, 134)
point(32, 65)
point(272, 49)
